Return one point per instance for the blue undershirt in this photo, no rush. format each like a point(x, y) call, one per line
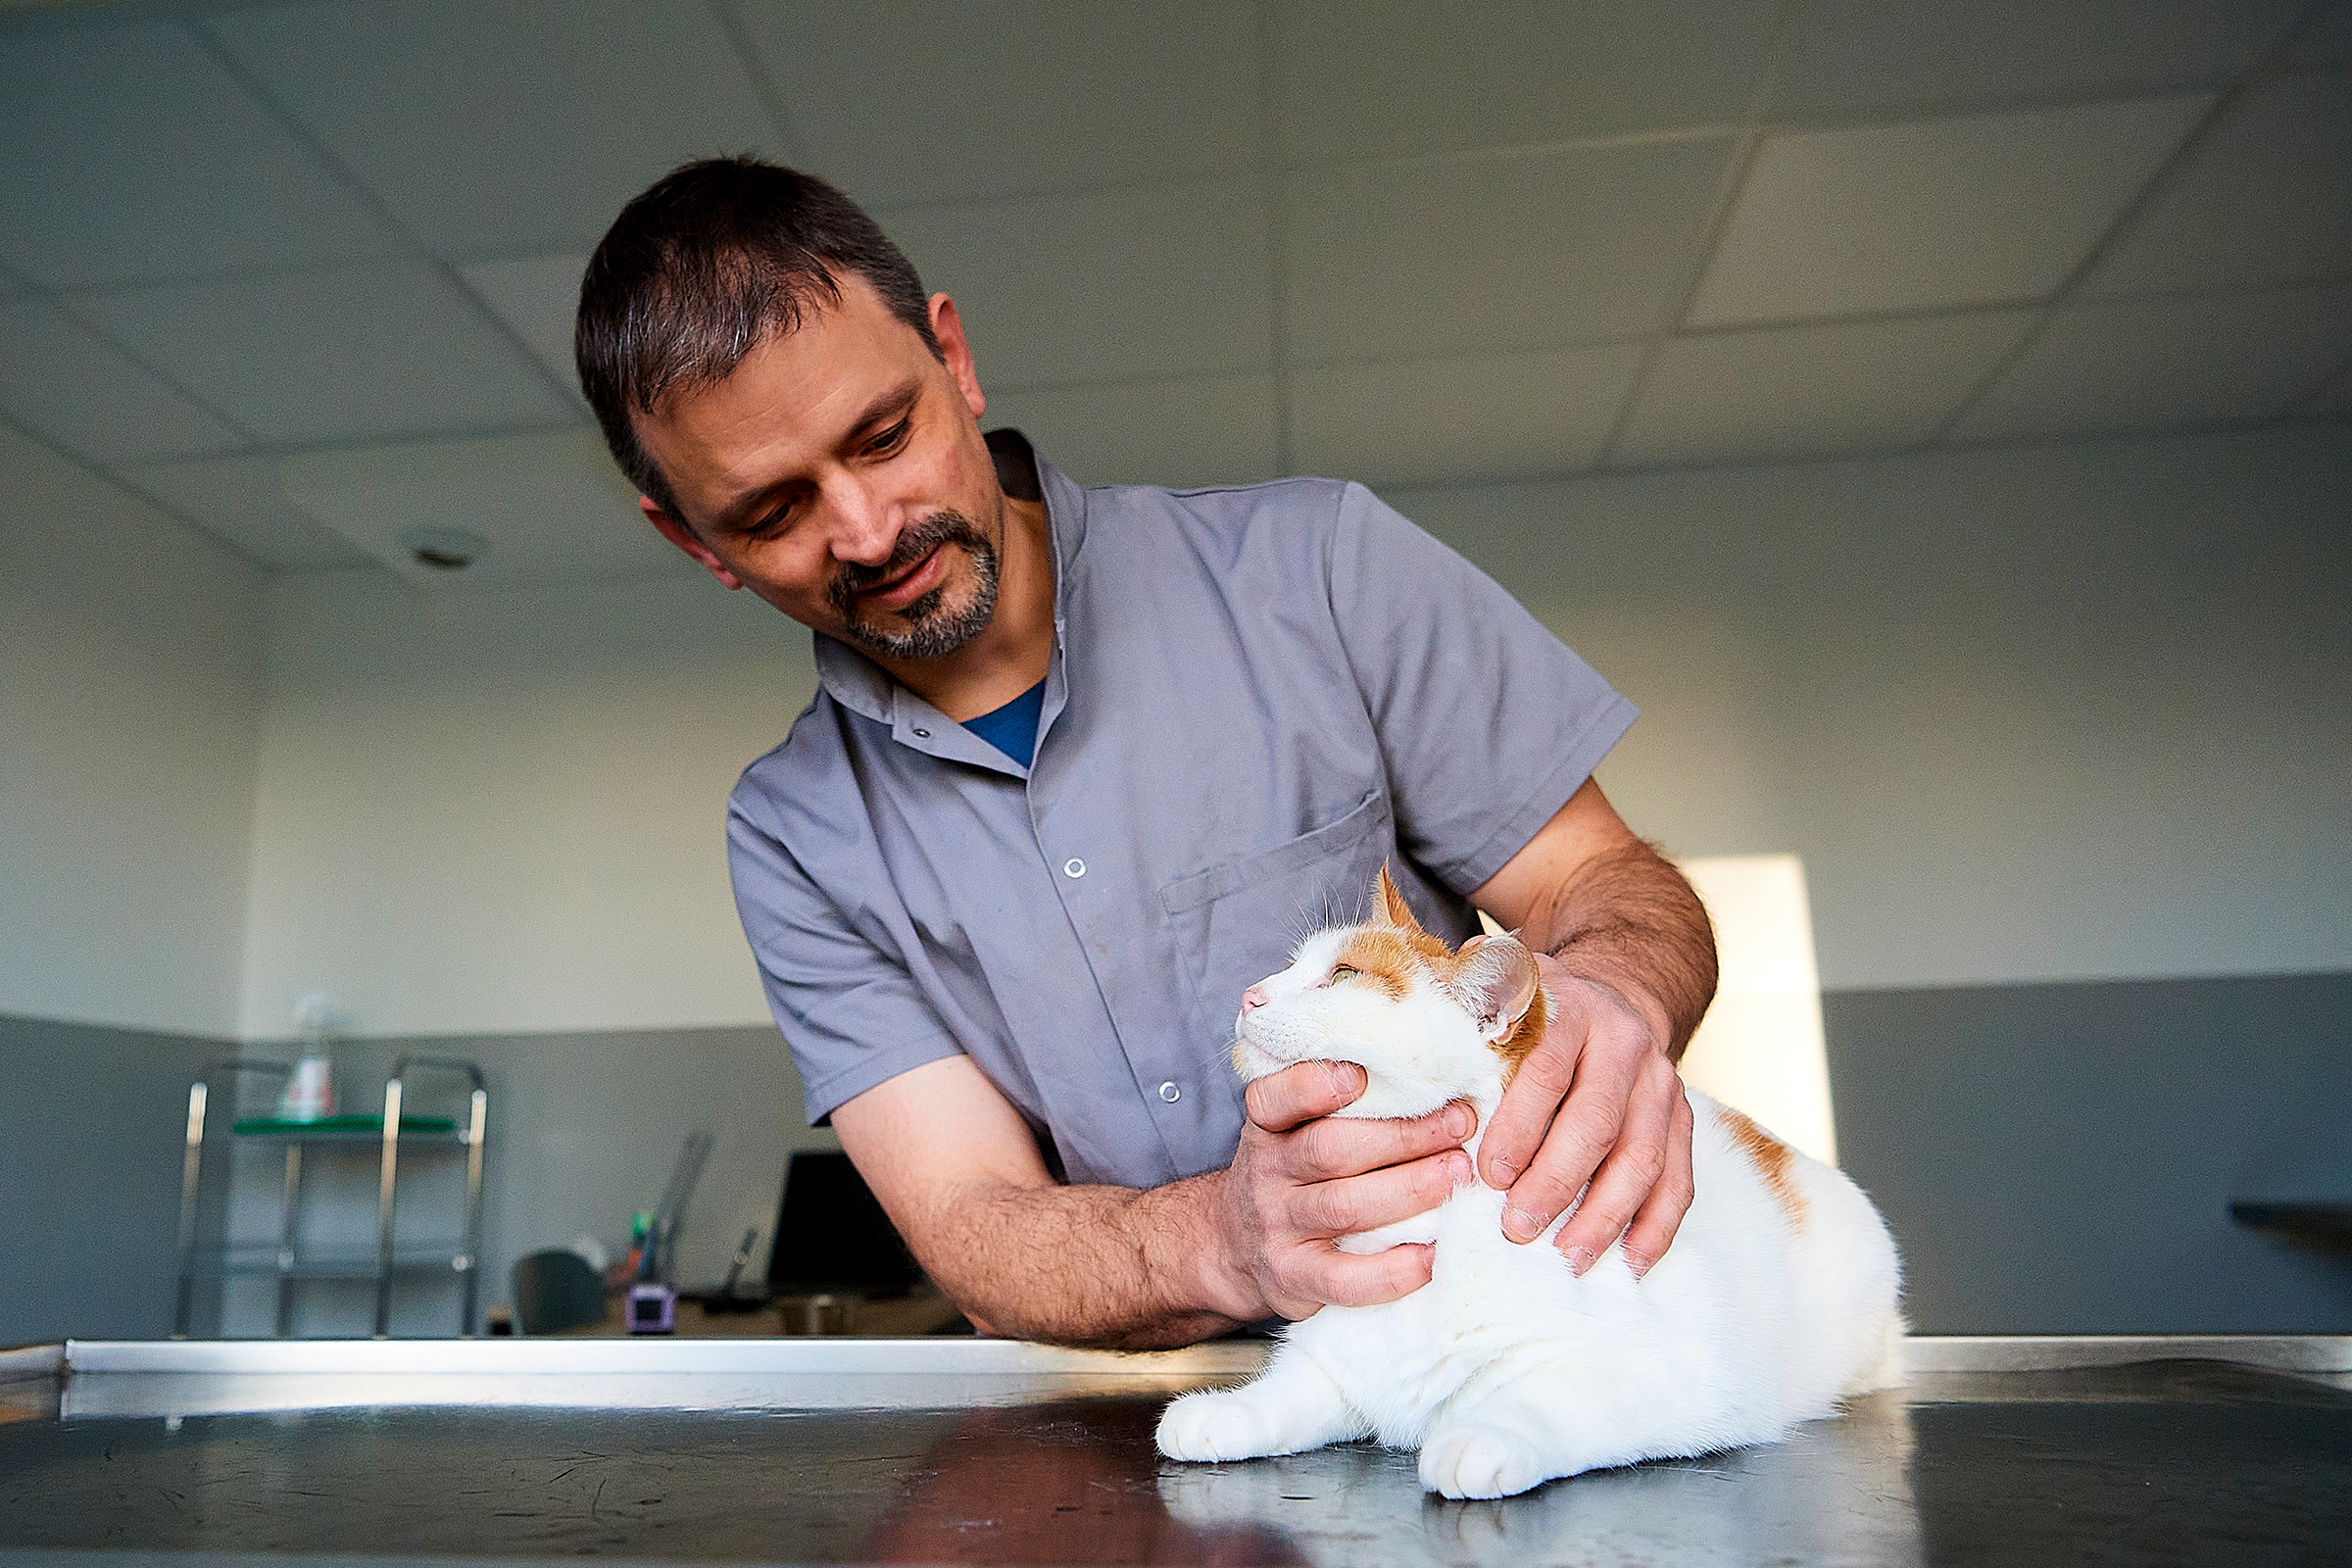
point(1012, 728)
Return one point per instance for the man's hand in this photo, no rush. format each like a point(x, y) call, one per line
point(1302, 1178)
point(1598, 1101)
point(960, 1175)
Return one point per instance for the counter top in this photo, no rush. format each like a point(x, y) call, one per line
point(983, 1451)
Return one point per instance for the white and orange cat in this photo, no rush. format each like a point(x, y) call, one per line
point(1775, 1300)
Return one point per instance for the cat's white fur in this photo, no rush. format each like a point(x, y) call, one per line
point(1508, 1370)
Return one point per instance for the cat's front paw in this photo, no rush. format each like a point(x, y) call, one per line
point(1480, 1461)
point(1209, 1425)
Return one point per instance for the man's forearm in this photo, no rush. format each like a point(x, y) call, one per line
point(1105, 1266)
point(1629, 921)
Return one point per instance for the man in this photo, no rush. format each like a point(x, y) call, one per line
point(1082, 764)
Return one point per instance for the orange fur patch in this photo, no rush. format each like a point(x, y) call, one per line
point(1525, 1036)
point(1775, 1161)
point(1388, 957)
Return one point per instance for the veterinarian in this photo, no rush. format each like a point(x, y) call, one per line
point(1082, 764)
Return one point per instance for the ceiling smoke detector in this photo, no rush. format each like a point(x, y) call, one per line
point(444, 549)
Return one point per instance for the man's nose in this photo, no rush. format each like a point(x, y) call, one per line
point(865, 526)
point(1254, 998)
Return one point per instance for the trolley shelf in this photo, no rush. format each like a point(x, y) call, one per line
point(289, 1261)
point(352, 1129)
point(331, 1264)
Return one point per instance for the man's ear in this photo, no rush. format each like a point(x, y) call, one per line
point(948, 327)
point(677, 533)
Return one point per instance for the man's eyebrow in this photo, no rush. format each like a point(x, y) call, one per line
point(889, 406)
point(740, 513)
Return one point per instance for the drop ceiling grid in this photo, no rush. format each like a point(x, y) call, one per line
point(1002, 100)
point(135, 158)
point(507, 130)
point(1850, 58)
point(2262, 62)
point(2263, 199)
point(351, 354)
point(94, 400)
point(1219, 262)
point(240, 501)
point(2167, 361)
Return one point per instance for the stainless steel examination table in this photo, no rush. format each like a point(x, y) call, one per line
point(2187, 1450)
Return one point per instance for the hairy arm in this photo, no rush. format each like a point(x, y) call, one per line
point(960, 1174)
point(1631, 963)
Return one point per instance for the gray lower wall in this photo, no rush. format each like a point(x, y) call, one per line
point(2054, 1158)
point(91, 1128)
point(583, 1129)
point(2060, 1158)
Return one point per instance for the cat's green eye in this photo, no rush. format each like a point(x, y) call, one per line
point(1341, 970)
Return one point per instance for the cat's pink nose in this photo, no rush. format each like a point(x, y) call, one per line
point(1254, 998)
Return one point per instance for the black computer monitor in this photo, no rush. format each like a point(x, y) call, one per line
point(832, 1236)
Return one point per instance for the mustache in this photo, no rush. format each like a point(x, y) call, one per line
point(948, 526)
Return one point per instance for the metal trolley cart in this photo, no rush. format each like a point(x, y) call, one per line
point(290, 1261)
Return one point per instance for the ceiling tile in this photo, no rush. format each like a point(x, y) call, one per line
point(1119, 285)
point(1805, 391)
point(2265, 198)
point(239, 502)
point(509, 129)
point(537, 297)
point(1459, 420)
point(1201, 432)
point(352, 354)
point(69, 385)
point(129, 155)
point(2125, 364)
point(1934, 213)
point(1494, 251)
point(2334, 398)
point(552, 507)
point(1862, 55)
point(1360, 80)
point(2328, 41)
point(994, 98)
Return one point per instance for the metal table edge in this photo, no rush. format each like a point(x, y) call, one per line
point(575, 1358)
point(1922, 1353)
point(32, 1361)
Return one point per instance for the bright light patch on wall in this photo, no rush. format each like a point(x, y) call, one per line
point(1762, 1047)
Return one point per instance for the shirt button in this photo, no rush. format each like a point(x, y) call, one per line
point(924, 734)
point(1073, 867)
point(1170, 1093)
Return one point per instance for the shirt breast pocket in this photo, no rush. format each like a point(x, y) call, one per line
point(1235, 922)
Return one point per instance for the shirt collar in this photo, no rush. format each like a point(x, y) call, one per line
point(863, 686)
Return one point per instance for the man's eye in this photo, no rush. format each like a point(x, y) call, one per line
point(890, 440)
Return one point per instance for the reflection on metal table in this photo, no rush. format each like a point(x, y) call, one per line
point(977, 1452)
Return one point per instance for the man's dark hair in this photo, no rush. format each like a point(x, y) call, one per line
point(703, 267)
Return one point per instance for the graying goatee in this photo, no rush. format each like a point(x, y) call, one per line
point(927, 630)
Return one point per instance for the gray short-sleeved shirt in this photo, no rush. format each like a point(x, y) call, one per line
point(1257, 695)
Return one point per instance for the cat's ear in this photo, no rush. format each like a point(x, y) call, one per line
point(1499, 982)
point(1392, 907)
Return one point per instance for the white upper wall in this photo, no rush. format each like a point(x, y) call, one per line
point(130, 679)
point(2032, 714)
point(490, 810)
point(2028, 714)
